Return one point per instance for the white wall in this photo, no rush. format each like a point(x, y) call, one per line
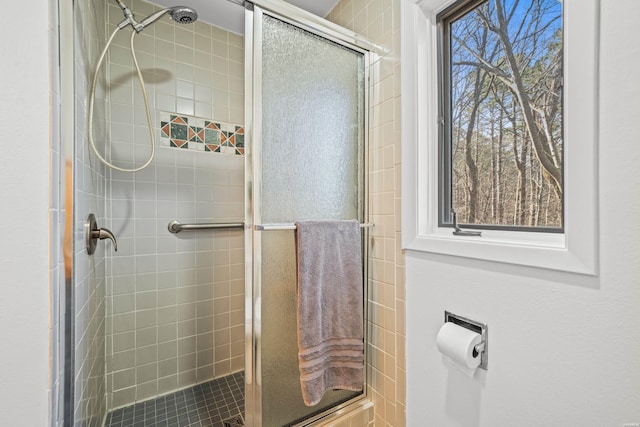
point(24, 174)
point(564, 349)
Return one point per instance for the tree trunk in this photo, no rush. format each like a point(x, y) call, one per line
point(552, 173)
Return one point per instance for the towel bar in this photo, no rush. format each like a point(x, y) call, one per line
point(274, 227)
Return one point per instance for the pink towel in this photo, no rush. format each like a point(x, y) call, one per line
point(330, 307)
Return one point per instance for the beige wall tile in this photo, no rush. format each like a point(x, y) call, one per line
point(379, 21)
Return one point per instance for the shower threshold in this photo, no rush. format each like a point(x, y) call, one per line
point(217, 403)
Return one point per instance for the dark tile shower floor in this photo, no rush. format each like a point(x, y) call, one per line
point(217, 403)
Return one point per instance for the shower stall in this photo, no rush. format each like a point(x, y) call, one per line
point(192, 320)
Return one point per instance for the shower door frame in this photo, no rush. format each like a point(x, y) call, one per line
point(304, 20)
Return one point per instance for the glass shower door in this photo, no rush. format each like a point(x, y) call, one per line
point(306, 162)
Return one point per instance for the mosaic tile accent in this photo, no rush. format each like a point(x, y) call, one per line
point(199, 134)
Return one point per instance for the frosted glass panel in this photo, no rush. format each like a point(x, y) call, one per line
point(312, 115)
point(282, 402)
point(312, 165)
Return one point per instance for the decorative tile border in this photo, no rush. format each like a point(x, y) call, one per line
point(196, 133)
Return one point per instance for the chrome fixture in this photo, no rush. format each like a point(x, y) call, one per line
point(285, 226)
point(176, 226)
point(92, 233)
point(180, 14)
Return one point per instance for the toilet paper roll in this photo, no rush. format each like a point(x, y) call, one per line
point(457, 343)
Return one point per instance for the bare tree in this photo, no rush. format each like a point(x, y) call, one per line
point(508, 56)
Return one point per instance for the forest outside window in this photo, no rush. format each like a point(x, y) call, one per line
point(500, 124)
point(501, 115)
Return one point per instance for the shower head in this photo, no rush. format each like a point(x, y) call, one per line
point(183, 14)
point(180, 14)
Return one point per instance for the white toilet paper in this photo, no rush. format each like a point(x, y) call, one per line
point(457, 343)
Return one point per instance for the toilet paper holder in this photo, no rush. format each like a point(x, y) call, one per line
point(478, 327)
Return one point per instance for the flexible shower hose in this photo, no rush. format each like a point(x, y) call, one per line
point(146, 106)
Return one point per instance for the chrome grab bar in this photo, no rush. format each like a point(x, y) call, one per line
point(177, 226)
point(274, 227)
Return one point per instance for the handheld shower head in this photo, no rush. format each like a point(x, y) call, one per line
point(180, 14)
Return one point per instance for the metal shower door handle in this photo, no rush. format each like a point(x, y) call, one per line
point(92, 233)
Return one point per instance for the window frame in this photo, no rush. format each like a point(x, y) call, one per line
point(445, 18)
point(572, 250)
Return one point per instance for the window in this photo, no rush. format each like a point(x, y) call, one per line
point(499, 124)
point(501, 107)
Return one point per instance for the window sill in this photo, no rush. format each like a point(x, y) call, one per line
point(549, 251)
